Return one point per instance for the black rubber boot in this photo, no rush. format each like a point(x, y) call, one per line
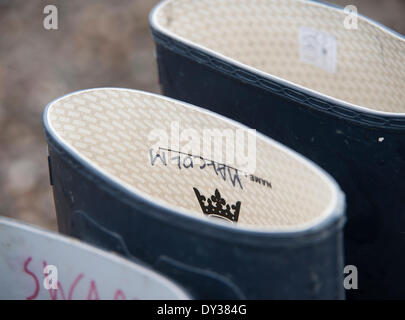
point(242, 217)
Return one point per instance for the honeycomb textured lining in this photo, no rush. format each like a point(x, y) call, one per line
point(368, 65)
point(115, 131)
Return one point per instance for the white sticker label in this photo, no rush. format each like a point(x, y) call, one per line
point(318, 48)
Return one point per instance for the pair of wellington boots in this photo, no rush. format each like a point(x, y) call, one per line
point(282, 121)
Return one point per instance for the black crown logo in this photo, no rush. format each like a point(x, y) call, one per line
point(216, 206)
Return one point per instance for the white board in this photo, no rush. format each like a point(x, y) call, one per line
point(83, 271)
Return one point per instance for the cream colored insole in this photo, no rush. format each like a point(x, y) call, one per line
point(299, 41)
point(122, 131)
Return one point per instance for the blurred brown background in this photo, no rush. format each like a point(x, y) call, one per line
point(98, 43)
